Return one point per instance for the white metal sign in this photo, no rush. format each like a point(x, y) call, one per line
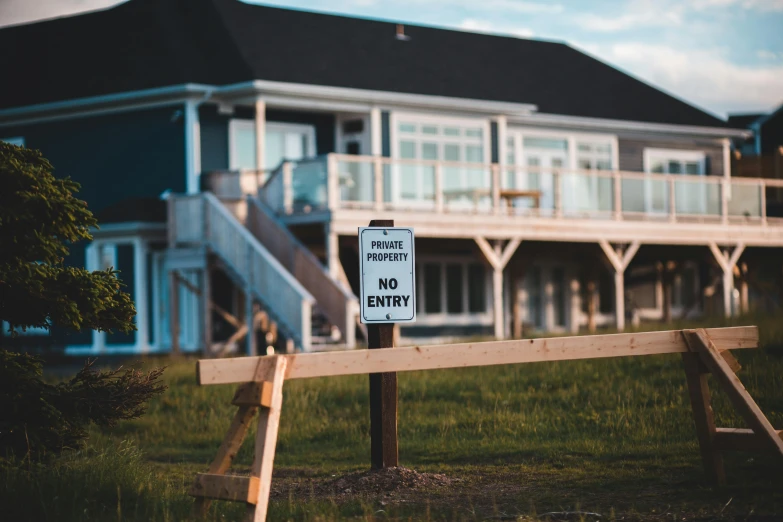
point(387, 275)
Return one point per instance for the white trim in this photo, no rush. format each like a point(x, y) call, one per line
point(141, 294)
point(627, 125)
point(373, 97)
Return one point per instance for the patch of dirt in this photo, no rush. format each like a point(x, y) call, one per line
point(390, 484)
point(389, 480)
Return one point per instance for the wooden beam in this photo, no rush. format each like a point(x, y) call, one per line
point(253, 394)
point(229, 318)
point(699, 342)
point(266, 441)
point(703, 417)
point(226, 487)
point(738, 439)
point(430, 357)
point(611, 255)
point(228, 448)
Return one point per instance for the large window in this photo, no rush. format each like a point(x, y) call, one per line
point(284, 141)
point(665, 161)
point(692, 195)
point(453, 287)
point(427, 140)
point(545, 161)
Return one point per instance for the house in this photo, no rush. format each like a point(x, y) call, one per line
point(232, 150)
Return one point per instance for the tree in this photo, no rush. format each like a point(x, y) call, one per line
point(39, 218)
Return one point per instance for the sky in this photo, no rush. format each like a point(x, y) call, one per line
point(724, 56)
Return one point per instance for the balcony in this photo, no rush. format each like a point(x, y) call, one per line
point(353, 189)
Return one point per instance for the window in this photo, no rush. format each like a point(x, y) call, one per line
point(17, 140)
point(664, 161)
point(284, 141)
point(593, 155)
point(451, 287)
point(429, 140)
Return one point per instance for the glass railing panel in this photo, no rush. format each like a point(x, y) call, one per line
point(467, 188)
point(528, 190)
point(308, 183)
point(356, 181)
point(695, 197)
point(745, 200)
point(586, 193)
point(645, 196)
point(410, 185)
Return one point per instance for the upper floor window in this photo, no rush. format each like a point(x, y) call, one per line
point(284, 141)
point(665, 161)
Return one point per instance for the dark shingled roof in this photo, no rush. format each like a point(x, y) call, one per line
point(155, 43)
point(741, 121)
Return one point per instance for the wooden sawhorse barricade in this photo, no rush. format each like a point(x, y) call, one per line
point(261, 379)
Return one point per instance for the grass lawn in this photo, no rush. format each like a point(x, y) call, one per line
point(613, 437)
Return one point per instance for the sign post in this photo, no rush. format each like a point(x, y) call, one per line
point(387, 281)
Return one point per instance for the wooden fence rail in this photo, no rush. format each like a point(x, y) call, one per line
point(261, 383)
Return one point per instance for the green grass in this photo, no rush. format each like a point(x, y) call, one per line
point(611, 436)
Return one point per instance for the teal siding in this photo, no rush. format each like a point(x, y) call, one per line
point(116, 156)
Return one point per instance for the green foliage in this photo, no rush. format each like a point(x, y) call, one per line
point(37, 418)
point(39, 218)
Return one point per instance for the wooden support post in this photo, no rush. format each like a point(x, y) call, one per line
point(266, 441)
point(727, 263)
point(703, 417)
point(383, 393)
point(620, 261)
point(700, 343)
point(667, 279)
point(744, 301)
point(174, 312)
point(252, 338)
point(592, 287)
point(498, 259)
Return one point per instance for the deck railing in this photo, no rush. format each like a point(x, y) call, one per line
point(338, 181)
point(203, 219)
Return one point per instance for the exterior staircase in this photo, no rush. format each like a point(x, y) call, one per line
point(299, 300)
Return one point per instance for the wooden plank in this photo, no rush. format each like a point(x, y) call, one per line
point(253, 394)
point(701, 343)
point(226, 487)
point(731, 360)
point(266, 441)
point(740, 440)
point(703, 417)
point(303, 366)
point(228, 448)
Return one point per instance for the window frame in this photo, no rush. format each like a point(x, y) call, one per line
point(423, 119)
point(484, 318)
point(682, 155)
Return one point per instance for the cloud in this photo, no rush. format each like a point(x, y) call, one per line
point(639, 13)
point(502, 6)
point(484, 26)
point(14, 12)
point(767, 55)
point(703, 77)
point(756, 5)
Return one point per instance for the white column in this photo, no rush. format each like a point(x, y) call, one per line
point(726, 190)
point(192, 147)
point(92, 263)
point(332, 251)
point(576, 308)
point(140, 289)
point(376, 143)
point(260, 124)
